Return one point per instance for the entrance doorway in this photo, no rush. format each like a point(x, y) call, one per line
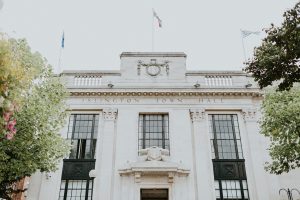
point(154, 194)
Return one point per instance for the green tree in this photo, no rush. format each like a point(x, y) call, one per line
point(281, 123)
point(40, 98)
point(278, 57)
point(18, 68)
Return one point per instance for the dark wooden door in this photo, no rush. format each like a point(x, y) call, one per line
point(154, 194)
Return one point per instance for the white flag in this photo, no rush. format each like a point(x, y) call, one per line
point(157, 17)
point(246, 33)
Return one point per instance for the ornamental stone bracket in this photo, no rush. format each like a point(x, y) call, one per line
point(153, 68)
point(154, 161)
point(197, 114)
point(249, 114)
point(110, 113)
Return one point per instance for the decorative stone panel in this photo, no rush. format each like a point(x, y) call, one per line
point(197, 114)
point(249, 114)
point(110, 113)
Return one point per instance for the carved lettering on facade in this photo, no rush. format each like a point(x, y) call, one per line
point(211, 100)
point(160, 100)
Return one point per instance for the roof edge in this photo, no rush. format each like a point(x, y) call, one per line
point(153, 54)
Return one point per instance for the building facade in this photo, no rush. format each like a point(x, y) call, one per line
point(154, 130)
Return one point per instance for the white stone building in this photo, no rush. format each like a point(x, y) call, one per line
point(154, 130)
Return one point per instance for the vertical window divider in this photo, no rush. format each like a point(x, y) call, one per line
point(78, 149)
point(144, 131)
point(163, 132)
point(221, 189)
point(66, 189)
point(87, 189)
point(73, 133)
point(92, 138)
point(215, 141)
point(242, 189)
point(234, 137)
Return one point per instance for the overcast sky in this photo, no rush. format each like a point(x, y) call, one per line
point(97, 31)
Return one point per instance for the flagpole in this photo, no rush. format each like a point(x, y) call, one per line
point(243, 43)
point(62, 45)
point(59, 60)
point(152, 30)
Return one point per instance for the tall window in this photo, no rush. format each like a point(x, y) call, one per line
point(154, 131)
point(83, 134)
point(228, 160)
point(225, 137)
point(76, 189)
point(76, 183)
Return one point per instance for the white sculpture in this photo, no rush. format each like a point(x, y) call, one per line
point(154, 153)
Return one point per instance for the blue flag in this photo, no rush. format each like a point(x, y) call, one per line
point(63, 40)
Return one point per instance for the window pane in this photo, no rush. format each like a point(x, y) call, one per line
point(225, 132)
point(231, 189)
point(153, 131)
point(76, 189)
point(83, 130)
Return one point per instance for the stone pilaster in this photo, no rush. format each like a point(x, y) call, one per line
point(256, 175)
point(105, 162)
point(203, 169)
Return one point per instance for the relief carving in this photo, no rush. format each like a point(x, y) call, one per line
point(197, 114)
point(153, 68)
point(249, 114)
point(154, 153)
point(110, 113)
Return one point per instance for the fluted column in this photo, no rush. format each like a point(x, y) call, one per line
point(105, 162)
point(203, 169)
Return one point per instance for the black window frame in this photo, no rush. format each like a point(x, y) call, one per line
point(233, 136)
point(243, 189)
point(77, 137)
point(83, 131)
point(148, 128)
point(229, 166)
point(87, 190)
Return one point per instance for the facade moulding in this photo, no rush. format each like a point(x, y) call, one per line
point(154, 161)
point(129, 93)
point(153, 54)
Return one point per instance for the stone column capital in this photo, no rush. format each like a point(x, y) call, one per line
point(197, 114)
point(110, 113)
point(249, 114)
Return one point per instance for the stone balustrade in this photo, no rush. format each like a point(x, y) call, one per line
point(193, 79)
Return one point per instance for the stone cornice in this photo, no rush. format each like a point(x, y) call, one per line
point(152, 54)
point(92, 72)
point(167, 93)
point(221, 73)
